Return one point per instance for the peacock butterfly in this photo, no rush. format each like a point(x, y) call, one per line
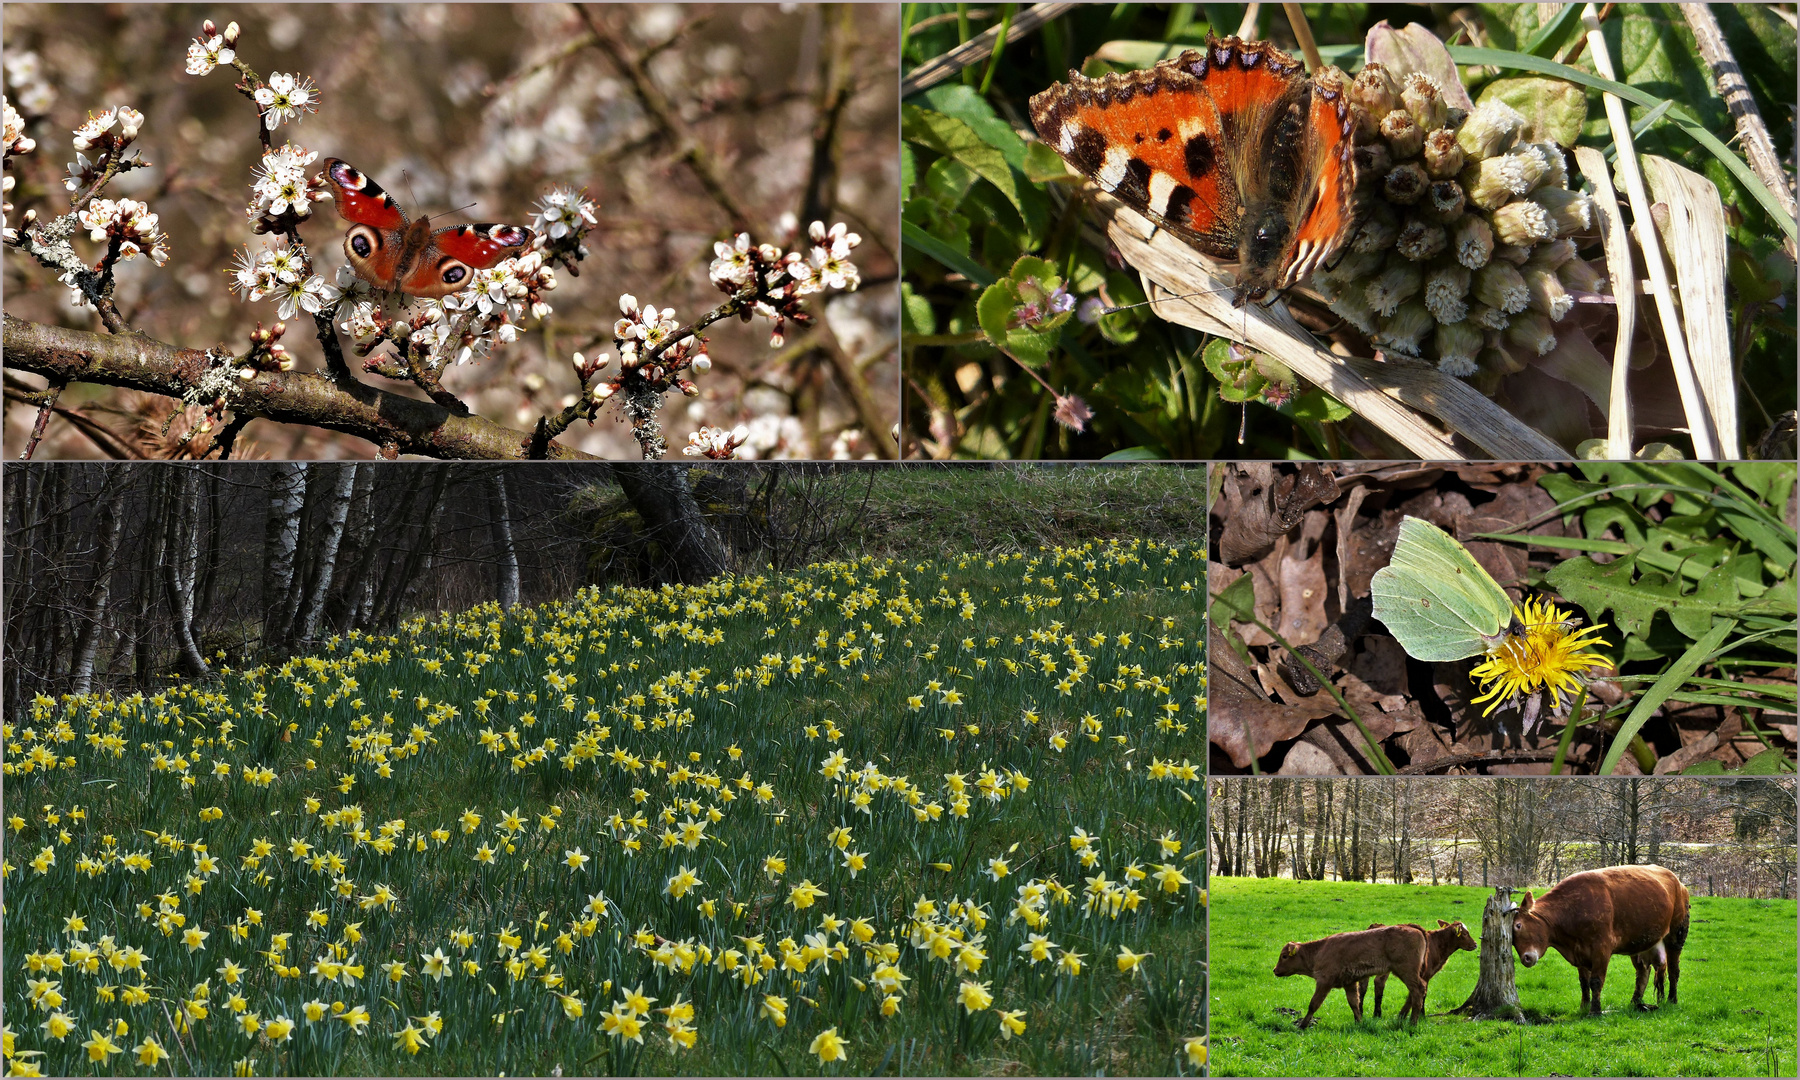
point(1233, 149)
point(393, 254)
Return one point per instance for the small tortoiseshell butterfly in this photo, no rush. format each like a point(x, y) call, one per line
point(1234, 149)
point(396, 255)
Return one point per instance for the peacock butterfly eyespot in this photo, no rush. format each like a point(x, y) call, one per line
point(396, 255)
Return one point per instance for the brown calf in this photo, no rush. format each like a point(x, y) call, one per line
point(1341, 961)
point(1641, 911)
point(1440, 944)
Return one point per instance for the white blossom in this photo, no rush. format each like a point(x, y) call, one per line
point(284, 99)
point(208, 53)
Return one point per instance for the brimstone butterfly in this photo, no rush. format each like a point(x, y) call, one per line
point(1436, 599)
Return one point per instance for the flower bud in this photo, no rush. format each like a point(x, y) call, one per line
point(1522, 223)
point(1352, 305)
point(1446, 286)
point(1472, 241)
point(1443, 157)
point(1488, 318)
point(130, 121)
point(1373, 89)
point(1405, 183)
point(1402, 134)
point(1404, 331)
point(1579, 275)
point(1556, 166)
point(1568, 211)
point(579, 362)
point(1547, 292)
point(702, 362)
point(1379, 227)
point(1553, 253)
point(1532, 330)
point(1491, 129)
point(1443, 202)
point(1457, 346)
point(1398, 281)
point(1499, 285)
point(1420, 240)
point(1424, 101)
point(231, 33)
point(1499, 360)
point(604, 391)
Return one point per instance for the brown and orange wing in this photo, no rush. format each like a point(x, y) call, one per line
point(1154, 139)
point(1327, 223)
point(448, 263)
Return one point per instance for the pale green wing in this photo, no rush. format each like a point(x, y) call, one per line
point(1435, 598)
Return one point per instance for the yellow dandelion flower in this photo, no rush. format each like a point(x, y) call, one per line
point(1547, 653)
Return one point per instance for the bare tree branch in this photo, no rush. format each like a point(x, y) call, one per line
point(400, 424)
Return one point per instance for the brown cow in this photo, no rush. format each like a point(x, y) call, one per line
point(1440, 944)
point(1341, 961)
point(1641, 911)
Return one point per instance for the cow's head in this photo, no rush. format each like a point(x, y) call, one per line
point(1290, 962)
point(1531, 935)
point(1464, 943)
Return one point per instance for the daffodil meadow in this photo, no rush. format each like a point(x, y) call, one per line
point(922, 816)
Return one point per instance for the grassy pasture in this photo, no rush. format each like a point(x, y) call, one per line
point(1736, 1016)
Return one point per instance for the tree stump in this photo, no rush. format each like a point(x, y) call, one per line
point(1495, 996)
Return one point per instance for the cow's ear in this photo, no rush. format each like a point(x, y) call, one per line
point(1442, 923)
point(1290, 949)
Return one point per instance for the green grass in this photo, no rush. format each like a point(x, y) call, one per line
point(723, 706)
point(1018, 507)
point(1736, 1016)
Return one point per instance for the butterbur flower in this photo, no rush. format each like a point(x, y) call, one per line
point(1532, 330)
point(1500, 286)
point(1457, 346)
point(1491, 129)
point(1522, 223)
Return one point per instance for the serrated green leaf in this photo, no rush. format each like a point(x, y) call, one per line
point(1318, 406)
point(953, 138)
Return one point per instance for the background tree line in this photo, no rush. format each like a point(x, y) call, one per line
point(1733, 837)
point(129, 575)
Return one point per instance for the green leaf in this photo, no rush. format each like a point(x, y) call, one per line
point(1553, 109)
point(920, 320)
point(1239, 381)
point(1667, 683)
point(1134, 453)
point(1318, 406)
point(1770, 762)
point(965, 104)
point(1043, 165)
point(1635, 599)
point(953, 138)
point(916, 238)
point(1030, 282)
point(1236, 601)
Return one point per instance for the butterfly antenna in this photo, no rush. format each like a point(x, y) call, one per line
point(1115, 308)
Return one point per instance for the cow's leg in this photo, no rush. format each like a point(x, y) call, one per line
point(1319, 993)
point(1674, 953)
point(1354, 995)
point(1641, 966)
point(1380, 988)
point(1414, 1009)
point(1598, 980)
